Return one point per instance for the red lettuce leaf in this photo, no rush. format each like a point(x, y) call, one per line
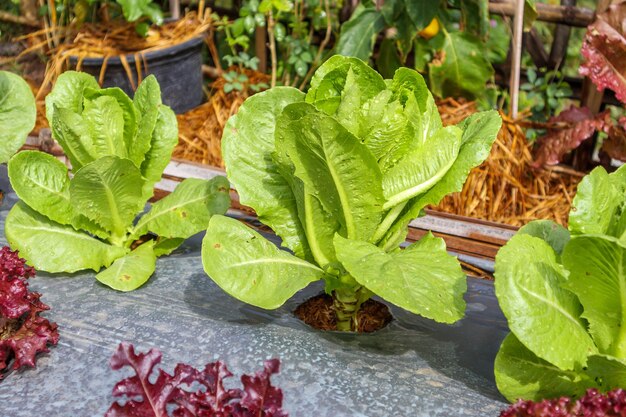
point(258, 398)
point(604, 49)
point(13, 286)
point(615, 145)
point(576, 124)
point(592, 404)
point(23, 332)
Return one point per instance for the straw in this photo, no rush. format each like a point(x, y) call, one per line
point(505, 188)
point(116, 39)
point(200, 130)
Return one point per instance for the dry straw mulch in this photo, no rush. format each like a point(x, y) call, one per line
point(505, 188)
point(200, 130)
point(113, 39)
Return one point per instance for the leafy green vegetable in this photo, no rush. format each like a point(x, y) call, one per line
point(564, 296)
point(118, 149)
point(338, 174)
point(251, 268)
point(17, 113)
point(132, 270)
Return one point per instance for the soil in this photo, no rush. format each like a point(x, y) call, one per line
point(318, 312)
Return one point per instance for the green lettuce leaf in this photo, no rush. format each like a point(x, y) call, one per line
point(68, 93)
point(52, 247)
point(338, 169)
point(521, 374)
point(166, 246)
point(187, 210)
point(320, 228)
point(553, 234)
point(597, 266)
point(422, 168)
point(329, 83)
point(609, 372)
point(147, 101)
point(42, 182)
point(17, 113)
point(408, 87)
point(105, 124)
point(108, 191)
point(131, 271)
point(539, 311)
point(381, 121)
point(251, 268)
point(128, 112)
point(423, 278)
point(248, 148)
point(164, 139)
point(69, 129)
point(479, 133)
point(599, 198)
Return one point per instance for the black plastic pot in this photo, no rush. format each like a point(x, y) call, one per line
point(177, 68)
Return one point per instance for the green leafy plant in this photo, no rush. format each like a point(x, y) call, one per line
point(292, 28)
point(239, 81)
point(118, 149)
point(338, 174)
point(563, 294)
point(76, 12)
point(446, 44)
point(17, 114)
point(543, 94)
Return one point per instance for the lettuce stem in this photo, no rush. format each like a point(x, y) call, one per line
point(346, 303)
point(384, 226)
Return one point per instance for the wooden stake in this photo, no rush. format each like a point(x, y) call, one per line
point(518, 32)
point(175, 9)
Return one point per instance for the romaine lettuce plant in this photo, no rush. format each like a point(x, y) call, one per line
point(17, 114)
point(563, 293)
point(118, 149)
point(338, 174)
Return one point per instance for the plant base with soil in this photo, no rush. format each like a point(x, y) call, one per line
point(319, 313)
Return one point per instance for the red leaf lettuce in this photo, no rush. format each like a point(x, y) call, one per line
point(23, 332)
point(604, 49)
point(592, 404)
point(579, 123)
point(258, 398)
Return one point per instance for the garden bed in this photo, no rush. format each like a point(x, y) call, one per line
point(412, 367)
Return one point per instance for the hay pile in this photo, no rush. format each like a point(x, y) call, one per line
point(200, 130)
point(505, 188)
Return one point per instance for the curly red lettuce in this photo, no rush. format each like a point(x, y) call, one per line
point(190, 392)
point(576, 124)
point(592, 404)
point(23, 332)
point(604, 49)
